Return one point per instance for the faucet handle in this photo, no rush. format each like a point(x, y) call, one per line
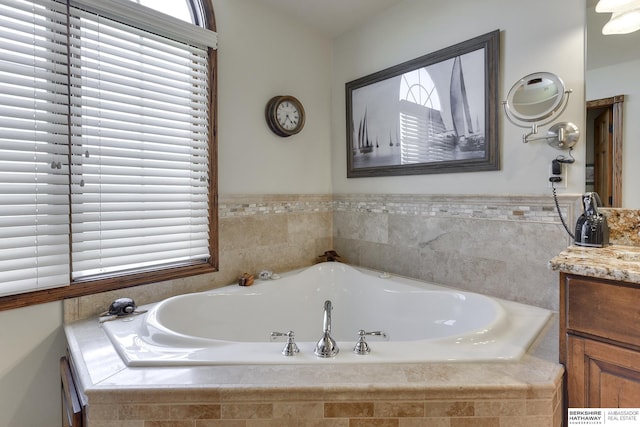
point(290, 347)
point(361, 346)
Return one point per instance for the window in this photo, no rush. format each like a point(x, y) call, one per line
point(423, 137)
point(107, 151)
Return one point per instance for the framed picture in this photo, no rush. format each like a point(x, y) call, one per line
point(590, 174)
point(433, 114)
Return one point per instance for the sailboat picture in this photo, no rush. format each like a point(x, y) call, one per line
point(433, 114)
point(466, 138)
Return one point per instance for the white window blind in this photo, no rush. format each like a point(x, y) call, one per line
point(104, 143)
point(34, 183)
point(139, 124)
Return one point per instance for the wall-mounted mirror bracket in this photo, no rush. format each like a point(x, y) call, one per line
point(563, 136)
point(534, 130)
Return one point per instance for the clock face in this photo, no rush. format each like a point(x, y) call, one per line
point(288, 115)
point(285, 115)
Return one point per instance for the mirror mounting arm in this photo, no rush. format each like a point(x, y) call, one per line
point(534, 130)
point(563, 135)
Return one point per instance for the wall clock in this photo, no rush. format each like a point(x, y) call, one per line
point(285, 115)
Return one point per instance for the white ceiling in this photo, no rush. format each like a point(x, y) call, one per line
point(331, 17)
point(335, 17)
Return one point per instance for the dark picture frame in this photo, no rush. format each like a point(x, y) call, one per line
point(590, 174)
point(434, 114)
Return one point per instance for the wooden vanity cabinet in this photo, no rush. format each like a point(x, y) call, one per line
point(72, 407)
point(600, 342)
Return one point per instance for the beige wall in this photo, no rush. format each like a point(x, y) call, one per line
point(540, 36)
point(261, 55)
point(253, 161)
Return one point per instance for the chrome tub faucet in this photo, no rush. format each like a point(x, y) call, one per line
point(327, 346)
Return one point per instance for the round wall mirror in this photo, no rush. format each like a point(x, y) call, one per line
point(536, 97)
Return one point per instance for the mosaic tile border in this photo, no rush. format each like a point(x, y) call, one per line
point(504, 208)
point(238, 206)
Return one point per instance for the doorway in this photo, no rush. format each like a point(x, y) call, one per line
point(604, 149)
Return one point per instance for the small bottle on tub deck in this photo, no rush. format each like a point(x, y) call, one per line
point(245, 279)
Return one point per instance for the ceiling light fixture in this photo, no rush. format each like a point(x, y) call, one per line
point(609, 6)
point(622, 23)
point(625, 16)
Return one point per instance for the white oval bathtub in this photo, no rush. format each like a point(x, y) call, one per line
point(233, 325)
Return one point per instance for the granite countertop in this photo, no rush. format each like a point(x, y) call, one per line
point(614, 262)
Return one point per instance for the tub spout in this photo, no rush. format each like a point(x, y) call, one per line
point(327, 346)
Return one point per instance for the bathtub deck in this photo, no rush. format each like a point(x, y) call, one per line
point(524, 393)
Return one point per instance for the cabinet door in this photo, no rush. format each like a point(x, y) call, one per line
point(72, 413)
point(601, 375)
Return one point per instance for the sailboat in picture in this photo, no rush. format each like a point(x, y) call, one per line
point(466, 138)
point(364, 145)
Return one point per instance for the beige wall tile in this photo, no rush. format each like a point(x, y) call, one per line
point(398, 409)
point(476, 422)
point(374, 422)
point(324, 422)
point(424, 422)
point(498, 246)
point(246, 410)
point(533, 421)
point(298, 410)
point(449, 409)
point(540, 406)
point(220, 423)
point(281, 422)
point(117, 423)
point(171, 423)
point(348, 409)
point(501, 408)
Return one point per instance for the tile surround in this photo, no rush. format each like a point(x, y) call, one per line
point(277, 232)
point(497, 245)
point(497, 394)
point(494, 245)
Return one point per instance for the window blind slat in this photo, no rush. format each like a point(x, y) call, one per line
point(45, 8)
point(146, 125)
point(25, 233)
point(89, 201)
point(172, 158)
point(115, 260)
point(160, 225)
point(125, 85)
point(94, 97)
point(134, 242)
point(127, 112)
point(150, 234)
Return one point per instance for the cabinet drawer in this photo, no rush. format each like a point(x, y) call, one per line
point(604, 309)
